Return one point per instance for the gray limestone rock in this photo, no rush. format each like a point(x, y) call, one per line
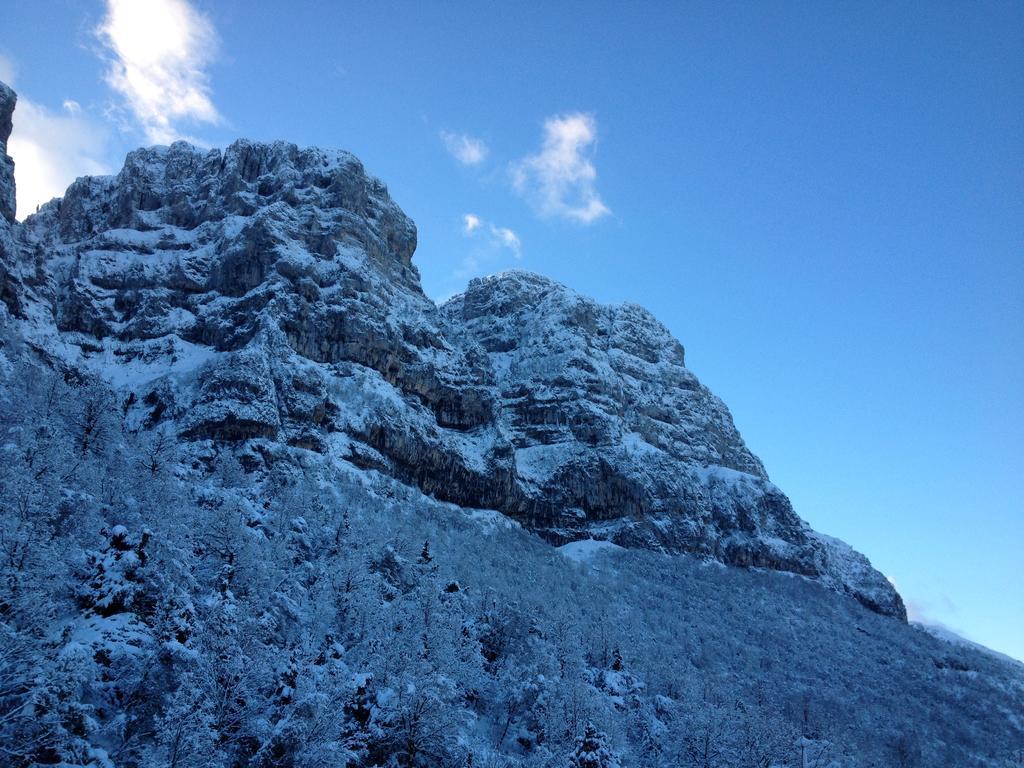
point(8, 99)
point(266, 294)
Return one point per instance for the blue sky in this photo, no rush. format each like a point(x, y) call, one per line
point(823, 201)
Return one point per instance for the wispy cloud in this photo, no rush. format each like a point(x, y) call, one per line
point(507, 239)
point(466, 149)
point(932, 612)
point(560, 180)
point(494, 237)
point(7, 70)
point(935, 613)
point(51, 148)
point(490, 243)
point(159, 52)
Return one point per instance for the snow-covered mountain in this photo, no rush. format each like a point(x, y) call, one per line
point(267, 293)
point(244, 330)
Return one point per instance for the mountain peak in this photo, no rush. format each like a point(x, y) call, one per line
point(184, 189)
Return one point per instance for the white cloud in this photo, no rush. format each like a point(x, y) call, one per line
point(493, 237)
point(50, 150)
point(560, 179)
point(7, 70)
point(934, 614)
point(159, 52)
point(507, 238)
point(490, 245)
point(466, 149)
point(72, 106)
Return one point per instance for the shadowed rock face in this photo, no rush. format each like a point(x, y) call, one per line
point(7, 198)
point(267, 293)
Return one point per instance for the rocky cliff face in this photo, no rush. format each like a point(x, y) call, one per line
point(7, 201)
point(265, 295)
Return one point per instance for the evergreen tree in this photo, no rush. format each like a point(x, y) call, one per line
point(425, 556)
point(592, 751)
point(114, 575)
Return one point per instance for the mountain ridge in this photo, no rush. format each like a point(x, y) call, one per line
point(520, 395)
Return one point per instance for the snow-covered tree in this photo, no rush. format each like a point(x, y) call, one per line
point(593, 751)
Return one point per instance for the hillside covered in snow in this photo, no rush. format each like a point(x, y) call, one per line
point(264, 503)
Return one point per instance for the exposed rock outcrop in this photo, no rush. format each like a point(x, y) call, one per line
point(8, 202)
point(267, 293)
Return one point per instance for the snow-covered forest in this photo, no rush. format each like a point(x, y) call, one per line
point(192, 605)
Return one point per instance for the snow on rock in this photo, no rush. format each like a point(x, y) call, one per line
point(267, 292)
point(585, 549)
point(612, 432)
point(8, 201)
